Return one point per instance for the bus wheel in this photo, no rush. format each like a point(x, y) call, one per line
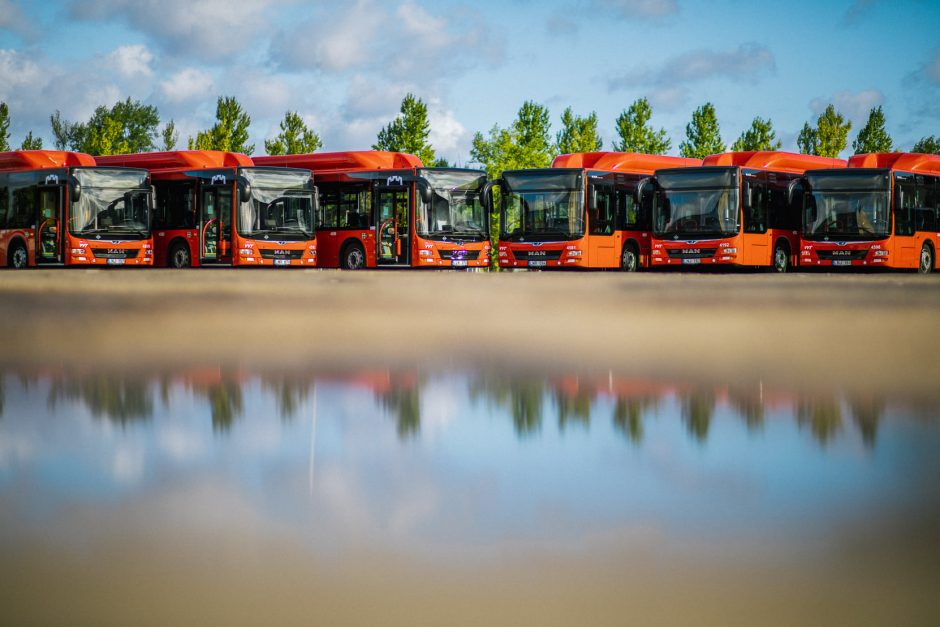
point(17, 257)
point(629, 259)
point(179, 256)
point(926, 260)
point(354, 258)
point(781, 258)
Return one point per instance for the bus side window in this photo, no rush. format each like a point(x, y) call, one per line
point(329, 206)
point(24, 207)
point(4, 202)
point(904, 209)
point(925, 218)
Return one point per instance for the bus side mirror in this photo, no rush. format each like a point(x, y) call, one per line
point(640, 188)
point(747, 201)
point(593, 200)
point(76, 191)
point(424, 191)
point(486, 194)
point(900, 197)
point(791, 189)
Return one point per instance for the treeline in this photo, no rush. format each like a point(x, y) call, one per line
point(528, 142)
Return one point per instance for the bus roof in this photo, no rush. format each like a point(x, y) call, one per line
point(635, 162)
point(773, 160)
point(361, 160)
point(906, 161)
point(178, 160)
point(41, 159)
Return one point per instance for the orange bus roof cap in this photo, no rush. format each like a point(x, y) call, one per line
point(348, 160)
point(773, 160)
point(178, 159)
point(622, 161)
point(906, 161)
point(38, 159)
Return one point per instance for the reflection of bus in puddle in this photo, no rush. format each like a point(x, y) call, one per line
point(575, 400)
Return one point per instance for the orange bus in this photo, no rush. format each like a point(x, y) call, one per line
point(60, 208)
point(880, 212)
point(735, 210)
point(583, 212)
point(385, 209)
point(202, 194)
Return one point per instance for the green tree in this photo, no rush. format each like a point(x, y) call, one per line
point(929, 145)
point(761, 136)
point(31, 143)
point(828, 138)
point(527, 143)
point(170, 136)
point(230, 132)
point(578, 134)
point(4, 127)
point(703, 134)
point(873, 137)
point(128, 126)
point(294, 139)
point(808, 141)
point(637, 134)
point(409, 131)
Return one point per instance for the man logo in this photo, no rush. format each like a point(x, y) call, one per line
point(218, 179)
point(52, 179)
point(394, 180)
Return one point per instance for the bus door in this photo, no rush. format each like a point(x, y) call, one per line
point(604, 243)
point(393, 219)
point(215, 224)
point(49, 224)
point(756, 242)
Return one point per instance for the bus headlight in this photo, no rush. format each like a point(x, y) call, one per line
point(244, 252)
point(425, 253)
point(574, 253)
point(729, 251)
point(78, 251)
point(881, 253)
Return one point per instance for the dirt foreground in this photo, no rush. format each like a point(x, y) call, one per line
point(874, 333)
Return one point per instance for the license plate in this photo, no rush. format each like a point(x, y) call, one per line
point(841, 262)
point(282, 262)
point(115, 262)
point(537, 264)
point(459, 263)
point(691, 262)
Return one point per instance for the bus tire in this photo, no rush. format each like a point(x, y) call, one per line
point(179, 256)
point(353, 257)
point(781, 260)
point(927, 260)
point(17, 256)
point(629, 258)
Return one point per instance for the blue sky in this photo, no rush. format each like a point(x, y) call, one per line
point(345, 65)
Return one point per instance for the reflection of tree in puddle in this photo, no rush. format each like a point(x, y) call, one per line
point(823, 415)
point(226, 401)
point(697, 409)
point(403, 401)
point(573, 408)
point(749, 404)
point(628, 415)
point(116, 398)
point(867, 413)
point(289, 395)
point(523, 398)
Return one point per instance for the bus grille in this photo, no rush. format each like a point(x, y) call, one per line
point(537, 255)
point(842, 254)
point(691, 253)
point(274, 253)
point(459, 254)
point(115, 253)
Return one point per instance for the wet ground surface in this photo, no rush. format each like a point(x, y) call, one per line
point(221, 447)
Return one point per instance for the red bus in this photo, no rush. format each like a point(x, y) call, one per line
point(385, 209)
point(60, 208)
point(583, 212)
point(880, 212)
point(202, 194)
point(735, 210)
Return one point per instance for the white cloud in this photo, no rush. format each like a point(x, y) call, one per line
point(131, 60)
point(855, 106)
point(12, 19)
point(932, 69)
point(213, 29)
point(186, 85)
point(748, 63)
point(448, 136)
point(669, 98)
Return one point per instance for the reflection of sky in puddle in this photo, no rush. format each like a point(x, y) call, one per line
point(453, 464)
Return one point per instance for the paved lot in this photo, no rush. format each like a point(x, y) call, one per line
point(879, 333)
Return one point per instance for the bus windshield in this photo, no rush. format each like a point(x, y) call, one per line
point(543, 205)
point(847, 206)
point(455, 210)
point(280, 204)
point(113, 203)
point(696, 202)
